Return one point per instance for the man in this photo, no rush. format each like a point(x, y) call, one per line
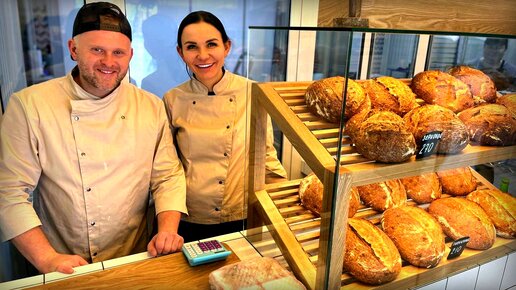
point(94, 146)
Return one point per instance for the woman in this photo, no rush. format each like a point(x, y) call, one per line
point(209, 118)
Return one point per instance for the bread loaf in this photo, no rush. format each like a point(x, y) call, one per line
point(481, 86)
point(381, 136)
point(422, 188)
point(383, 195)
point(429, 118)
point(417, 235)
point(390, 94)
point(256, 273)
point(501, 209)
point(440, 88)
point(509, 101)
point(311, 192)
point(460, 217)
point(324, 98)
point(458, 181)
point(370, 256)
point(490, 124)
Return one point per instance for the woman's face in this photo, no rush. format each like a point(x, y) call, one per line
point(204, 52)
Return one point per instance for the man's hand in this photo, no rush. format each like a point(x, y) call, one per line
point(61, 263)
point(164, 243)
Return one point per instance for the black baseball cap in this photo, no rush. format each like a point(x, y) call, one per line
point(101, 16)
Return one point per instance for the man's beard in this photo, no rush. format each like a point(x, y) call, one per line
point(93, 80)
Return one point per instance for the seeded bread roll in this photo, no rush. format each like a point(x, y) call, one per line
point(509, 101)
point(390, 94)
point(381, 136)
point(370, 256)
point(460, 218)
point(383, 195)
point(490, 124)
point(422, 188)
point(458, 181)
point(428, 118)
point(501, 209)
point(440, 88)
point(324, 98)
point(481, 86)
point(311, 192)
point(417, 235)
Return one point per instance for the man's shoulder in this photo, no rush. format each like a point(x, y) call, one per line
point(42, 90)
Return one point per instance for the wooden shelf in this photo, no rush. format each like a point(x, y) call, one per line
point(313, 246)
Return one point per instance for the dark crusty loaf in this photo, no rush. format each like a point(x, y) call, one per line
point(370, 256)
point(490, 124)
point(417, 235)
point(390, 94)
point(460, 217)
point(458, 181)
point(311, 192)
point(480, 85)
point(381, 136)
point(428, 118)
point(422, 188)
point(509, 101)
point(440, 88)
point(501, 209)
point(383, 195)
point(324, 98)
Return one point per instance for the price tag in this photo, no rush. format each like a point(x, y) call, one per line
point(457, 247)
point(429, 144)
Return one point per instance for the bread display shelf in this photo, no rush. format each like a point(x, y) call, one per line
point(296, 231)
point(308, 243)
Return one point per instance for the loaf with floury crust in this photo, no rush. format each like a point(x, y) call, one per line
point(371, 256)
point(501, 209)
point(490, 125)
point(440, 88)
point(509, 101)
point(381, 136)
point(480, 85)
point(417, 235)
point(429, 118)
point(460, 217)
point(390, 94)
point(383, 195)
point(458, 181)
point(324, 98)
point(422, 188)
point(311, 192)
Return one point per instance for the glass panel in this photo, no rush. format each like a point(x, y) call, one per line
point(393, 55)
point(331, 54)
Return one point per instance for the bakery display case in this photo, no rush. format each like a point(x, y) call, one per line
point(316, 243)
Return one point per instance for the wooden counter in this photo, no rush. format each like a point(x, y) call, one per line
point(166, 272)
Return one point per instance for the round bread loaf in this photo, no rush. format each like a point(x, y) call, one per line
point(383, 195)
point(501, 209)
point(481, 86)
point(440, 88)
point(509, 101)
point(370, 256)
point(458, 181)
point(382, 136)
point(311, 191)
point(324, 98)
point(490, 124)
point(417, 235)
point(422, 188)
point(390, 94)
point(428, 118)
point(460, 218)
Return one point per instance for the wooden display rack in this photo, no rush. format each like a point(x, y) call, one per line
point(313, 247)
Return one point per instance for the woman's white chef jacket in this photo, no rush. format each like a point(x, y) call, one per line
point(93, 161)
point(210, 131)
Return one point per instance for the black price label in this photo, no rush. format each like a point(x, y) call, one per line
point(428, 144)
point(457, 247)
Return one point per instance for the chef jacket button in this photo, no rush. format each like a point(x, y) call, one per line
point(122, 117)
point(231, 99)
point(95, 254)
point(217, 209)
point(92, 223)
point(194, 102)
point(221, 182)
point(88, 189)
point(227, 127)
point(83, 154)
point(225, 154)
point(76, 118)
